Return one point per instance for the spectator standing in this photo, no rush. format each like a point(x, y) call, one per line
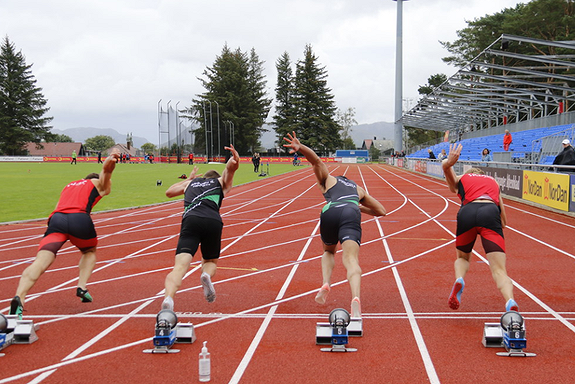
point(256, 162)
point(507, 140)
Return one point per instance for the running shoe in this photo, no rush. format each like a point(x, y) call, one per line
point(355, 308)
point(16, 307)
point(209, 291)
point(168, 303)
point(511, 306)
point(321, 296)
point(455, 297)
point(84, 295)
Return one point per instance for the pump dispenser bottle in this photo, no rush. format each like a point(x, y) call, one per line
point(205, 364)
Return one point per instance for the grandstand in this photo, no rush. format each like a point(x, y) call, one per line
point(522, 84)
point(533, 146)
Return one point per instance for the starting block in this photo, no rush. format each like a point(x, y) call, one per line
point(337, 332)
point(15, 331)
point(168, 332)
point(509, 333)
point(323, 331)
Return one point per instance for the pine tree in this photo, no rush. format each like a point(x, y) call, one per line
point(284, 117)
point(314, 104)
point(235, 87)
point(22, 105)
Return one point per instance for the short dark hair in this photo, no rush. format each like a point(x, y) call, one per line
point(477, 171)
point(92, 176)
point(211, 174)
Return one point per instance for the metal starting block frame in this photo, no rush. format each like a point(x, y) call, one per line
point(324, 336)
point(183, 333)
point(17, 332)
point(494, 336)
point(323, 331)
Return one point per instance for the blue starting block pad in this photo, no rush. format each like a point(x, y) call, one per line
point(182, 333)
point(323, 334)
point(495, 336)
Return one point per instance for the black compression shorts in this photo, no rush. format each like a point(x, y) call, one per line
point(197, 230)
point(482, 219)
point(76, 227)
point(340, 223)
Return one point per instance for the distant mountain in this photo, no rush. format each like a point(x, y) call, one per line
point(380, 130)
point(82, 133)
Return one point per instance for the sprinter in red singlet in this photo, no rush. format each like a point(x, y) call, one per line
point(70, 221)
point(340, 221)
point(482, 213)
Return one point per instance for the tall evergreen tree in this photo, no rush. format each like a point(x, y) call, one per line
point(314, 104)
point(284, 117)
point(22, 105)
point(235, 86)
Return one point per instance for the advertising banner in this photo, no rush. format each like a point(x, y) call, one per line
point(21, 158)
point(550, 189)
point(510, 180)
point(572, 204)
point(434, 168)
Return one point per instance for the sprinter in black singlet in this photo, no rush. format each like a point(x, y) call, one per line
point(201, 226)
point(340, 221)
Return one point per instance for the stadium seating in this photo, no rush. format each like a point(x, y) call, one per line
point(526, 145)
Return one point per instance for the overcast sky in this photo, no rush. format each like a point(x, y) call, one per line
point(107, 63)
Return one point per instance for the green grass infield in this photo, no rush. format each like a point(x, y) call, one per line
point(31, 190)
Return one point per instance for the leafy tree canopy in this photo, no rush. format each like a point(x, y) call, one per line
point(99, 143)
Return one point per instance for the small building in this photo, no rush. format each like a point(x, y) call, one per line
point(125, 148)
point(55, 149)
point(383, 145)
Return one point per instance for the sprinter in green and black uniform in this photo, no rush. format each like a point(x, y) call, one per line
point(340, 221)
point(201, 226)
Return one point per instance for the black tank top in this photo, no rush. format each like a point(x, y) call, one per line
point(203, 197)
point(344, 192)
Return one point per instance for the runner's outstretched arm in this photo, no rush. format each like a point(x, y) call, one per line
point(319, 168)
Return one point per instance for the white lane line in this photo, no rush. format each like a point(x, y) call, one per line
point(543, 305)
point(423, 351)
point(264, 326)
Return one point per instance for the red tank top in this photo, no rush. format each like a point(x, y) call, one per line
point(473, 186)
point(77, 197)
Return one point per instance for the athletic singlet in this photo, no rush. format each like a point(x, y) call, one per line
point(473, 186)
point(78, 197)
point(203, 197)
point(344, 192)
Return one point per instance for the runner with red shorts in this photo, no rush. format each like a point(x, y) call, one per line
point(70, 221)
point(482, 213)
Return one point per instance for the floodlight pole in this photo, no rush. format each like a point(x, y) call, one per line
point(398, 126)
point(218, 112)
point(159, 127)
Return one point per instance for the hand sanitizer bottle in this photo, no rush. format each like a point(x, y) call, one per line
point(204, 364)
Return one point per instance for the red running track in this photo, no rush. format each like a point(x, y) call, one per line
point(261, 328)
